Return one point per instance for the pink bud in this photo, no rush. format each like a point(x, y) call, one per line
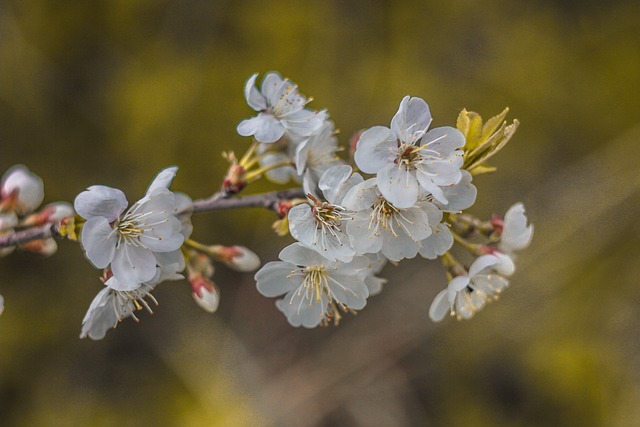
point(46, 247)
point(21, 189)
point(205, 292)
point(237, 257)
point(52, 213)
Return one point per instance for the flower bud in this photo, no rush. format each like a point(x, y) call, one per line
point(235, 180)
point(205, 292)
point(46, 247)
point(52, 213)
point(21, 190)
point(1, 304)
point(238, 258)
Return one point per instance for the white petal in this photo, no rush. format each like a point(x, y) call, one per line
point(439, 307)
point(163, 179)
point(302, 312)
point(270, 85)
point(439, 242)
point(361, 196)
point(490, 284)
point(253, 96)
point(100, 200)
point(99, 241)
point(132, 266)
point(427, 184)
point(297, 254)
point(412, 119)
point(460, 196)
point(362, 239)
point(100, 316)
point(376, 148)
point(275, 278)
point(349, 290)
point(398, 186)
point(456, 286)
point(444, 140)
point(483, 262)
point(445, 172)
point(516, 235)
point(400, 247)
point(506, 267)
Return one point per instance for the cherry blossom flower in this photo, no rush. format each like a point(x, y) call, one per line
point(316, 155)
point(516, 235)
point(407, 157)
point(322, 225)
point(380, 226)
point(314, 287)
point(467, 294)
point(128, 242)
point(280, 110)
point(21, 190)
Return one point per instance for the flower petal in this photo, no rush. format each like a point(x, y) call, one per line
point(412, 119)
point(275, 279)
point(132, 266)
point(101, 201)
point(439, 307)
point(163, 179)
point(376, 148)
point(99, 241)
point(253, 96)
point(398, 186)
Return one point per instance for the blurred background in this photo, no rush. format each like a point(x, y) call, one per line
point(110, 92)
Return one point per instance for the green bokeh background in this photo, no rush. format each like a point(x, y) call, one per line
point(110, 92)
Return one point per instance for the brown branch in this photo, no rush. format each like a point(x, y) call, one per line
point(267, 200)
point(40, 232)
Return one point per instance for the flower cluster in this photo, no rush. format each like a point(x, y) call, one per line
point(403, 193)
point(415, 188)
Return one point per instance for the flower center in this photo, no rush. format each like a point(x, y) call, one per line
point(387, 217)
point(133, 226)
point(314, 283)
point(328, 219)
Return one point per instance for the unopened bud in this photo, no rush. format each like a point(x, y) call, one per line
point(235, 180)
point(204, 292)
point(353, 142)
point(237, 257)
point(21, 190)
point(52, 213)
point(1, 304)
point(46, 247)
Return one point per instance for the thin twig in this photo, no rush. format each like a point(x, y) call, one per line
point(40, 232)
point(267, 200)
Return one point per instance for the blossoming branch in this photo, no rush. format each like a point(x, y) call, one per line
point(404, 193)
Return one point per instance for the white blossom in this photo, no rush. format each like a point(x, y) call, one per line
point(373, 282)
point(111, 305)
point(516, 235)
point(23, 188)
point(314, 287)
point(467, 294)
point(380, 226)
point(322, 225)
point(407, 157)
point(316, 155)
point(438, 243)
point(460, 196)
point(281, 109)
point(128, 242)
